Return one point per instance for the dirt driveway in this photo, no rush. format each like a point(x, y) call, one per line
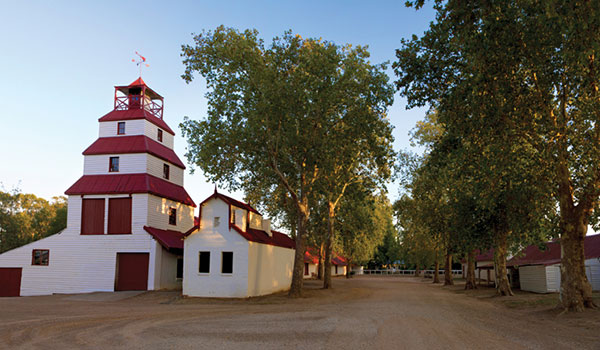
point(362, 313)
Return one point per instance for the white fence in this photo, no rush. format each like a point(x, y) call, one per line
point(407, 272)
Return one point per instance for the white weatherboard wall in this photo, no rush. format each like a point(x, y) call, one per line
point(269, 269)
point(215, 240)
point(540, 278)
point(341, 270)
point(132, 163)
point(151, 130)
point(87, 263)
point(155, 168)
point(592, 270)
point(132, 127)
point(158, 214)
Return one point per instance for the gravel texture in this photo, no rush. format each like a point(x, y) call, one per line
point(365, 312)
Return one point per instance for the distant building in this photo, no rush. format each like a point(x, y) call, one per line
point(539, 270)
point(339, 264)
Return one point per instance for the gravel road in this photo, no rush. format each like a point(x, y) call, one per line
point(365, 312)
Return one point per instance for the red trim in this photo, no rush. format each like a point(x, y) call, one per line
point(128, 184)
point(133, 114)
point(133, 144)
point(230, 201)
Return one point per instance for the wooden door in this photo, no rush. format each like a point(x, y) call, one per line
point(10, 281)
point(132, 271)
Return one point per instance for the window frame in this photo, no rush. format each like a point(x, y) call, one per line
point(173, 214)
point(33, 261)
point(119, 131)
point(111, 169)
point(200, 262)
point(166, 171)
point(223, 261)
point(159, 135)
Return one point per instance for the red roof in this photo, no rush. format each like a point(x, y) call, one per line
point(171, 240)
point(339, 260)
point(230, 201)
point(311, 255)
point(130, 183)
point(137, 113)
point(133, 144)
point(259, 236)
point(532, 255)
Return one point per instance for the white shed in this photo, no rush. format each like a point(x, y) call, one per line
point(233, 253)
point(539, 270)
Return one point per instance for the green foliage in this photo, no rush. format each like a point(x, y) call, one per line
point(25, 218)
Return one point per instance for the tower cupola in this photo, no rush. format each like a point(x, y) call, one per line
point(138, 95)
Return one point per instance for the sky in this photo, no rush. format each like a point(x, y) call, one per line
point(60, 61)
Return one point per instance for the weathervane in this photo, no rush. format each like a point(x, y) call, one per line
point(140, 62)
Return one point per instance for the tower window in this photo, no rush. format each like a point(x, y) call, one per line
point(121, 128)
point(113, 164)
point(165, 171)
point(216, 221)
point(159, 135)
point(172, 216)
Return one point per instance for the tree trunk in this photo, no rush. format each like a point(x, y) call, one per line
point(320, 266)
point(448, 280)
point(575, 289)
point(470, 284)
point(436, 270)
point(348, 269)
point(298, 271)
point(417, 271)
point(500, 254)
point(328, 246)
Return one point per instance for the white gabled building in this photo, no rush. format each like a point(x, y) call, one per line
point(127, 214)
point(233, 253)
point(339, 264)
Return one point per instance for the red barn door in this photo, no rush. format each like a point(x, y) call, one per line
point(10, 281)
point(132, 271)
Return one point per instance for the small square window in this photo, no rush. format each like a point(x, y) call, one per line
point(227, 262)
point(121, 128)
point(165, 171)
point(216, 221)
point(172, 216)
point(159, 135)
point(113, 165)
point(204, 262)
point(40, 257)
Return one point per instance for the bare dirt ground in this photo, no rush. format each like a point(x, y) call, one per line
point(365, 312)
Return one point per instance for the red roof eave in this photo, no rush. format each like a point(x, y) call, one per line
point(133, 144)
point(128, 184)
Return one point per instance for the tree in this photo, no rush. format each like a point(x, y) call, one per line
point(474, 66)
point(273, 113)
point(362, 222)
point(25, 218)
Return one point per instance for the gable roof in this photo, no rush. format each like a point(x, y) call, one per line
point(133, 144)
point(230, 201)
point(130, 183)
point(136, 113)
point(259, 236)
point(532, 255)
